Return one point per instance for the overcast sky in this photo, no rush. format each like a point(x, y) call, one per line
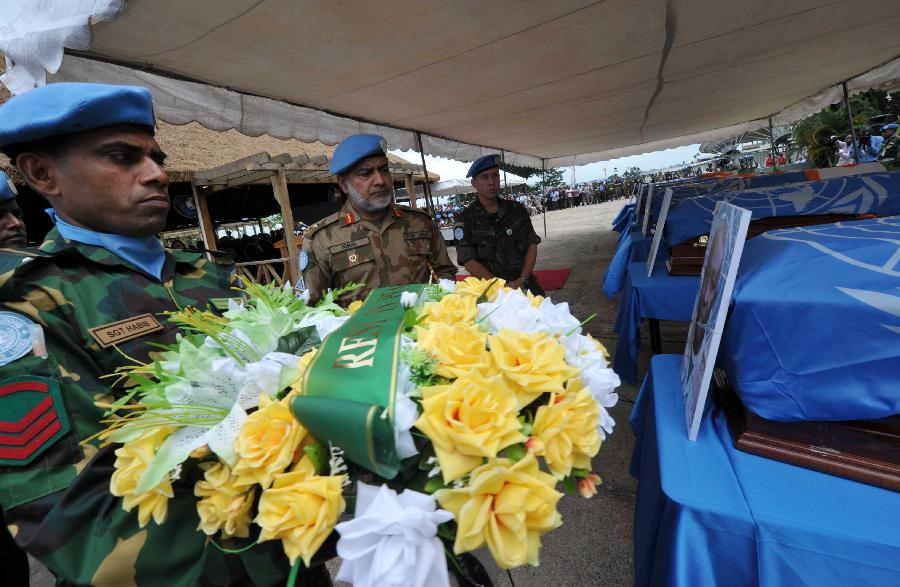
point(450, 169)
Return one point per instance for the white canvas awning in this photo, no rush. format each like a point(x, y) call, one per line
point(566, 82)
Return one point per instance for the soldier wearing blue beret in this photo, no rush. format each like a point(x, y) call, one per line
point(890, 150)
point(98, 288)
point(494, 236)
point(12, 224)
point(371, 240)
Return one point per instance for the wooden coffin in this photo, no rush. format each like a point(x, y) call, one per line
point(863, 450)
point(687, 257)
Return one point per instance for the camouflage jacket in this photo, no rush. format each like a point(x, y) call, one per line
point(95, 310)
point(403, 249)
point(498, 241)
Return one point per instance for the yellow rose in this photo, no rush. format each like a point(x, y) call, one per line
point(566, 431)
point(507, 505)
point(297, 385)
point(534, 362)
point(223, 506)
point(475, 287)
point(354, 306)
point(301, 510)
point(459, 348)
point(132, 459)
point(472, 418)
point(266, 444)
point(452, 308)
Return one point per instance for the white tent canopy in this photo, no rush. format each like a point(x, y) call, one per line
point(450, 187)
point(566, 82)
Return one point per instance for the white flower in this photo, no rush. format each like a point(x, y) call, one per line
point(408, 299)
point(556, 318)
point(406, 412)
point(448, 285)
point(510, 309)
point(582, 352)
point(602, 382)
point(392, 540)
point(325, 322)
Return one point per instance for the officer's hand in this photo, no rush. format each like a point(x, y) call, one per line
point(515, 284)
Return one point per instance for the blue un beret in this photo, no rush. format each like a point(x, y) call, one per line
point(355, 148)
point(58, 109)
point(7, 189)
point(482, 163)
point(889, 126)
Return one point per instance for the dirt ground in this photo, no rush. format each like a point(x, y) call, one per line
point(594, 546)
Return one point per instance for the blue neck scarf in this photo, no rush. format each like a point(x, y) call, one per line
point(145, 252)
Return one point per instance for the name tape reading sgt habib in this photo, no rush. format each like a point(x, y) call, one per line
point(125, 330)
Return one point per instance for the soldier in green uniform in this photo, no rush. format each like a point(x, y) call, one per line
point(71, 311)
point(890, 150)
point(371, 240)
point(12, 224)
point(495, 237)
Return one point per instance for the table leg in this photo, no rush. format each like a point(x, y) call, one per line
point(655, 336)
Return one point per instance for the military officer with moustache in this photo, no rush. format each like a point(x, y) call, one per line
point(495, 237)
point(371, 240)
point(88, 300)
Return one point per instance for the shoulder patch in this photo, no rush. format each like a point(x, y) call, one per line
point(15, 337)
point(317, 226)
point(32, 418)
point(458, 233)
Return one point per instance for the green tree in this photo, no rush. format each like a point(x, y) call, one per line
point(633, 174)
point(553, 178)
point(815, 131)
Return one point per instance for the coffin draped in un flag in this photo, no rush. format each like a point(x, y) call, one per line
point(812, 347)
point(805, 204)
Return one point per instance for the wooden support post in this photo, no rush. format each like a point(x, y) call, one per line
point(280, 187)
point(852, 127)
point(427, 187)
point(207, 231)
point(411, 190)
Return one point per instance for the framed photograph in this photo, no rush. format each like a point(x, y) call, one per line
point(646, 210)
point(723, 255)
point(658, 231)
point(639, 198)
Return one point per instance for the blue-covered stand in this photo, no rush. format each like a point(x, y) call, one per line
point(814, 328)
point(708, 514)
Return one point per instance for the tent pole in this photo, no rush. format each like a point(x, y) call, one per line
point(772, 142)
point(852, 128)
point(544, 193)
point(428, 202)
point(207, 230)
point(505, 184)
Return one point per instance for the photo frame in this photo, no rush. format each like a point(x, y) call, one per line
point(658, 231)
point(646, 210)
point(720, 266)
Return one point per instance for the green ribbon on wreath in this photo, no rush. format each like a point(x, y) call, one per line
point(348, 388)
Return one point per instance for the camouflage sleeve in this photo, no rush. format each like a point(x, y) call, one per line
point(465, 248)
point(523, 219)
point(317, 273)
point(440, 259)
point(55, 492)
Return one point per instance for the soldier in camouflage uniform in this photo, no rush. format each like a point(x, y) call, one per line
point(890, 150)
point(495, 237)
point(86, 301)
point(371, 240)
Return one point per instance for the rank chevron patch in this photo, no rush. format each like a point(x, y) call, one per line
point(32, 418)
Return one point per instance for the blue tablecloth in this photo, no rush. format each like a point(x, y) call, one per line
point(663, 296)
point(708, 514)
point(633, 248)
point(876, 193)
point(624, 218)
point(814, 328)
